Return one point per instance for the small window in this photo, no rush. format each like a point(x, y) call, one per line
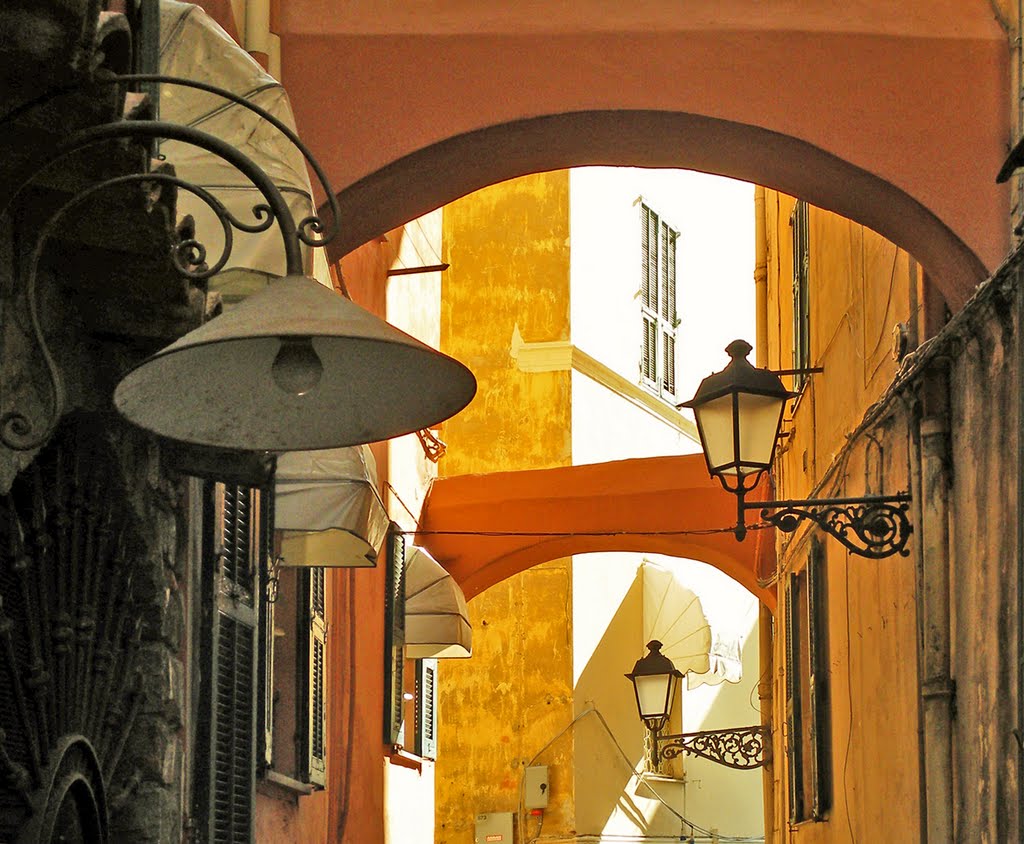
point(658, 242)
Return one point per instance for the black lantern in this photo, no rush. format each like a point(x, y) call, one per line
point(739, 413)
point(655, 679)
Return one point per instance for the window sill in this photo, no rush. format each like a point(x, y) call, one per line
point(404, 759)
point(275, 784)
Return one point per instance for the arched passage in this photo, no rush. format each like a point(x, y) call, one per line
point(441, 173)
point(485, 528)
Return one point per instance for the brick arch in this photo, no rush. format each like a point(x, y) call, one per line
point(486, 528)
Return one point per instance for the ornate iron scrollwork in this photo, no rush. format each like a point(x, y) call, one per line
point(873, 526)
point(742, 748)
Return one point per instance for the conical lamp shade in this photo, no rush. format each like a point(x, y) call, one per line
point(293, 367)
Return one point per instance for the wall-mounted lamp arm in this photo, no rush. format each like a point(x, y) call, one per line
point(873, 526)
point(742, 748)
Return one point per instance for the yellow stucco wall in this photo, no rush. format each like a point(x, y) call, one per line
point(508, 247)
point(861, 286)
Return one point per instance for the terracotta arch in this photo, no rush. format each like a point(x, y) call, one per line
point(895, 114)
point(431, 177)
point(485, 528)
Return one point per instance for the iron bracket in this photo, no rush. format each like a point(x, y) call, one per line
point(742, 748)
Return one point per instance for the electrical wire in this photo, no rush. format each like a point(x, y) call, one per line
point(641, 780)
point(562, 533)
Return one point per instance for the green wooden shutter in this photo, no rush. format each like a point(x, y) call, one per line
point(315, 702)
point(821, 758)
point(226, 778)
point(426, 708)
point(394, 639)
point(794, 777)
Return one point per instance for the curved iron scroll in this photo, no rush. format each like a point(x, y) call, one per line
point(742, 748)
point(873, 526)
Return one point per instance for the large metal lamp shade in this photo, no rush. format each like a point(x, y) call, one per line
point(654, 679)
point(293, 367)
point(738, 413)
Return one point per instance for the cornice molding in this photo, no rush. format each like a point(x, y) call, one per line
point(562, 356)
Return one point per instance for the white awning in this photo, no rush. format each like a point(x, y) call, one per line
point(327, 508)
point(436, 615)
point(193, 45)
point(674, 615)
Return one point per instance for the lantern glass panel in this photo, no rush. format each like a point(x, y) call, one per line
point(654, 694)
point(715, 421)
point(760, 417)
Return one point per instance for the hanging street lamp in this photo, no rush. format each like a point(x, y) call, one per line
point(655, 680)
point(739, 414)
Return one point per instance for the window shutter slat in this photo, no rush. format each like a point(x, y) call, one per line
point(394, 635)
point(226, 758)
point(426, 707)
point(819, 720)
point(316, 704)
point(793, 725)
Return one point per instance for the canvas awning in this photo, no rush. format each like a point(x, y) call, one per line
point(673, 615)
point(436, 615)
point(327, 508)
point(193, 45)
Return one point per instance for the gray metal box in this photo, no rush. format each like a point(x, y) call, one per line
point(535, 787)
point(494, 828)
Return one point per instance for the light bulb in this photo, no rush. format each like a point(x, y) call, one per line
point(297, 367)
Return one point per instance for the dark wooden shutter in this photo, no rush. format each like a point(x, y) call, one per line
point(793, 721)
point(820, 727)
point(394, 639)
point(426, 708)
point(265, 662)
point(228, 732)
point(315, 703)
point(668, 378)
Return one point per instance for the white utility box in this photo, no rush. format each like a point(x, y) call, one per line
point(535, 787)
point(494, 828)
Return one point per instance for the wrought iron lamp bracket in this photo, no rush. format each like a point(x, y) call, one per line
point(873, 526)
point(17, 431)
point(742, 748)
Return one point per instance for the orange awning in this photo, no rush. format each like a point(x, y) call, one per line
point(485, 528)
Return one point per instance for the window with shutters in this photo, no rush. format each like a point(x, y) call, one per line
point(426, 708)
point(800, 224)
point(296, 750)
point(394, 640)
point(658, 315)
point(808, 724)
point(227, 726)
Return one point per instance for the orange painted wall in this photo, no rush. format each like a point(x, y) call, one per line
point(509, 255)
point(861, 286)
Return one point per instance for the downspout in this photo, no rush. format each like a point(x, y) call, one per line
point(937, 688)
point(765, 618)
point(260, 40)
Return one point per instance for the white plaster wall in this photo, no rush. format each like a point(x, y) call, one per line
point(414, 305)
point(715, 301)
point(714, 265)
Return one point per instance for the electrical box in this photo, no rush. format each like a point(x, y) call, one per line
point(494, 828)
point(535, 787)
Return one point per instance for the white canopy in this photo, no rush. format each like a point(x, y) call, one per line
point(674, 615)
point(193, 45)
point(436, 615)
point(328, 509)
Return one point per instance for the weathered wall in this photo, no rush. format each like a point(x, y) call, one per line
point(985, 380)
point(509, 256)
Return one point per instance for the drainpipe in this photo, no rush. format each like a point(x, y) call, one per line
point(765, 620)
point(933, 601)
point(260, 41)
